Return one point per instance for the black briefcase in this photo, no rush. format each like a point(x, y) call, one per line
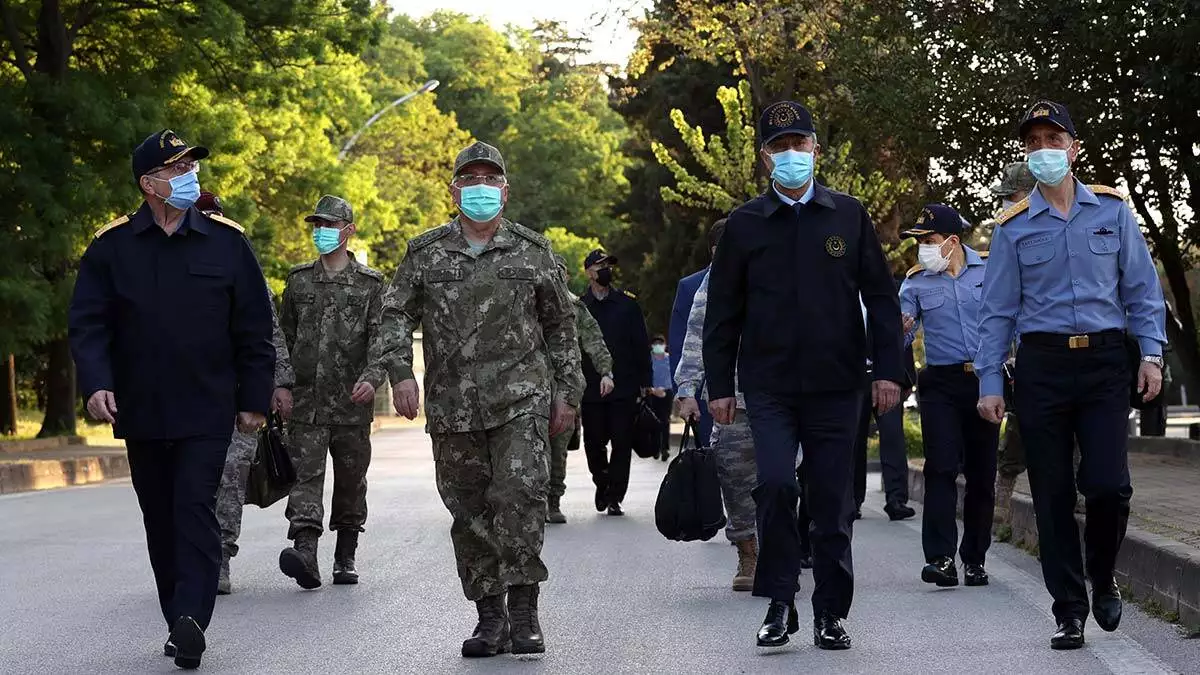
point(272, 474)
point(647, 431)
point(689, 505)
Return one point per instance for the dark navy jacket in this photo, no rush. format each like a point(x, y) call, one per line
point(685, 293)
point(784, 290)
point(178, 328)
point(624, 329)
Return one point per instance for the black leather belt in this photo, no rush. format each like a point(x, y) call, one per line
point(1080, 341)
point(967, 367)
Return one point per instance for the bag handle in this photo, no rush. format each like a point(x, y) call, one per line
point(691, 429)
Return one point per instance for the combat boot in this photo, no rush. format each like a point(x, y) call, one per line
point(743, 579)
point(554, 513)
point(1004, 491)
point(523, 613)
point(224, 586)
point(343, 558)
point(300, 561)
point(491, 635)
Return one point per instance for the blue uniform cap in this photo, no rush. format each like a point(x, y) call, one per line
point(598, 256)
point(1049, 112)
point(936, 219)
point(784, 117)
point(163, 149)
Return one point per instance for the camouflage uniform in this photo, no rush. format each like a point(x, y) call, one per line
point(732, 442)
point(332, 329)
point(591, 344)
point(499, 337)
point(232, 492)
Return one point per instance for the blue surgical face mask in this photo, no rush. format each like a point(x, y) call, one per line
point(793, 168)
point(327, 239)
point(1049, 165)
point(658, 350)
point(481, 203)
point(185, 190)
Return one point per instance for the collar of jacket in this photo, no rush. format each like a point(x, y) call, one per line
point(503, 238)
point(771, 202)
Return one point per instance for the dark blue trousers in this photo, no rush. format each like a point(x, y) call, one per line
point(176, 484)
point(1063, 395)
point(826, 424)
point(955, 435)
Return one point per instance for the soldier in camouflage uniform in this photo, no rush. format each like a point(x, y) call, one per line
point(733, 444)
point(503, 366)
point(331, 315)
point(591, 344)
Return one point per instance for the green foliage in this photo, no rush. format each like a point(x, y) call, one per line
point(573, 248)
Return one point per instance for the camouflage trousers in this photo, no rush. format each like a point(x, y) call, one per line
point(350, 447)
point(493, 483)
point(738, 473)
point(558, 461)
point(232, 491)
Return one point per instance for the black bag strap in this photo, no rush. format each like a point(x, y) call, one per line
point(690, 430)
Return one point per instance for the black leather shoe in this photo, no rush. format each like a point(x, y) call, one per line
point(858, 513)
point(189, 643)
point(615, 510)
point(975, 575)
point(806, 562)
point(898, 511)
point(169, 649)
point(491, 636)
point(1069, 635)
point(1106, 606)
point(782, 621)
point(829, 634)
point(523, 615)
point(941, 572)
point(601, 498)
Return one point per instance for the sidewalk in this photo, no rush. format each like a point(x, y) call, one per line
point(63, 466)
point(1160, 560)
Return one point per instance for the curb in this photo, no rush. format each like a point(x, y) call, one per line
point(1159, 570)
point(29, 475)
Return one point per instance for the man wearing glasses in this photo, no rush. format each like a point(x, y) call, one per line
point(170, 327)
point(501, 347)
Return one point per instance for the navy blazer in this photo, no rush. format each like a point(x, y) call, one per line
point(685, 293)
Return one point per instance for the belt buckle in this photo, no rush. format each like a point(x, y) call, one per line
point(968, 367)
point(1078, 342)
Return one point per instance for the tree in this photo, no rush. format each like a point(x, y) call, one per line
point(573, 248)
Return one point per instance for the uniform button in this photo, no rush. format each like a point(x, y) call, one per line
point(1076, 282)
point(1073, 254)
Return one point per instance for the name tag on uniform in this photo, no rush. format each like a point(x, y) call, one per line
point(444, 274)
point(522, 273)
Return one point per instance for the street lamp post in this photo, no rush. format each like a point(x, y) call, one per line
point(428, 86)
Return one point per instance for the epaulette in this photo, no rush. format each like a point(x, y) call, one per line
point(1012, 212)
point(983, 254)
point(301, 266)
point(428, 237)
point(630, 295)
point(1106, 190)
point(370, 272)
point(225, 221)
point(913, 270)
point(113, 225)
point(526, 233)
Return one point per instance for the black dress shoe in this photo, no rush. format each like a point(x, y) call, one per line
point(941, 572)
point(829, 634)
point(169, 649)
point(858, 513)
point(1069, 635)
point(1106, 606)
point(782, 621)
point(601, 498)
point(975, 575)
point(189, 643)
point(615, 510)
point(806, 562)
point(898, 511)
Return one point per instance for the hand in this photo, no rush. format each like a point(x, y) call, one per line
point(407, 399)
point(885, 394)
point(723, 409)
point(689, 409)
point(250, 422)
point(606, 385)
point(103, 406)
point(364, 392)
point(909, 322)
point(281, 402)
point(991, 408)
point(562, 418)
point(1149, 380)
point(659, 392)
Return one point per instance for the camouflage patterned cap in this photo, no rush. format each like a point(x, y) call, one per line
point(479, 152)
point(1016, 177)
point(332, 209)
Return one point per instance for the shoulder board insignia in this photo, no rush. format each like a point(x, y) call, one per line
point(1012, 212)
point(526, 233)
point(370, 272)
point(983, 254)
point(113, 225)
point(630, 295)
point(913, 270)
point(225, 221)
point(301, 266)
point(428, 237)
point(1106, 190)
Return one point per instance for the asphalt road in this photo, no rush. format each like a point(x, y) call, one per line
point(76, 596)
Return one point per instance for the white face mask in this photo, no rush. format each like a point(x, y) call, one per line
point(931, 258)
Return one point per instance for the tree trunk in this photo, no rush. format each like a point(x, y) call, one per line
point(8, 397)
point(60, 390)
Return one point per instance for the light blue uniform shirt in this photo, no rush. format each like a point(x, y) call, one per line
point(947, 308)
point(808, 194)
point(1085, 273)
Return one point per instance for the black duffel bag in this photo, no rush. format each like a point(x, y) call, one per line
point(647, 431)
point(689, 505)
point(272, 474)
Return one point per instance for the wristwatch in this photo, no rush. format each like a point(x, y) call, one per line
point(608, 375)
point(1156, 360)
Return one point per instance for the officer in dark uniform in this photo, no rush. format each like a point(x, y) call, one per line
point(170, 327)
point(800, 357)
point(609, 419)
point(1069, 272)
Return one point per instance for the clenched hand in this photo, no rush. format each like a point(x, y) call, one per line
point(1149, 380)
point(103, 406)
point(562, 418)
point(407, 399)
point(364, 392)
point(885, 394)
point(250, 422)
point(281, 402)
point(723, 409)
point(991, 408)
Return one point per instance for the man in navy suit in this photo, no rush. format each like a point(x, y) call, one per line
point(685, 293)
